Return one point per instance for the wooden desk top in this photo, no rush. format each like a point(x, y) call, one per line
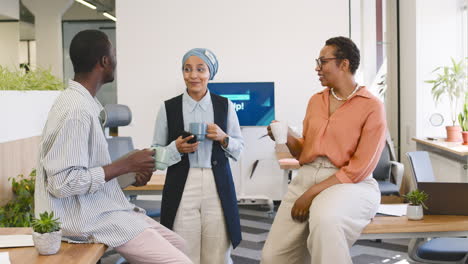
point(69, 253)
point(430, 223)
point(454, 147)
point(155, 184)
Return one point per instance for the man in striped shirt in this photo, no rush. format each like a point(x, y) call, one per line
point(76, 178)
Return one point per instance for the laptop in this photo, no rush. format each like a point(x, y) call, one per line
point(445, 198)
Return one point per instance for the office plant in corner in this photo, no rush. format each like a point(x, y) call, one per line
point(463, 120)
point(451, 83)
point(416, 198)
point(47, 234)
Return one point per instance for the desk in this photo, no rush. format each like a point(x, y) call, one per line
point(69, 253)
point(449, 159)
point(153, 187)
point(390, 227)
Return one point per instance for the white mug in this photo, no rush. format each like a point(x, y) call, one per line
point(280, 132)
point(161, 158)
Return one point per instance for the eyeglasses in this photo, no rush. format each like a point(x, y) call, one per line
point(321, 61)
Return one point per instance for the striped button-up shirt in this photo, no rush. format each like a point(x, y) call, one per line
point(70, 176)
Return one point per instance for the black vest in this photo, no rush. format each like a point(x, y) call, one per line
point(177, 173)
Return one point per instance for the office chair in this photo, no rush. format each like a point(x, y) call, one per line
point(115, 115)
point(437, 250)
point(389, 172)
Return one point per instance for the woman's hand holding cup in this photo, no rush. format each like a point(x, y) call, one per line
point(278, 131)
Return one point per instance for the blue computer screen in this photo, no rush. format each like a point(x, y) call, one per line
point(254, 101)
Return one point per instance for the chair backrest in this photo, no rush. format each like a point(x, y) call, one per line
point(115, 115)
point(119, 146)
point(421, 166)
point(383, 170)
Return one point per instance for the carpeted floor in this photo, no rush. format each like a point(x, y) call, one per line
point(256, 222)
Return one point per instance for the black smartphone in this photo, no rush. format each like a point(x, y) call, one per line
point(187, 134)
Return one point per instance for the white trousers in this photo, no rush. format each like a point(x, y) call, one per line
point(336, 219)
point(200, 220)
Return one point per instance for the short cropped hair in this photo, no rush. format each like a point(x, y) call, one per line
point(87, 48)
point(346, 49)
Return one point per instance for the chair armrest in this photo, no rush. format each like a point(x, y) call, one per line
point(397, 172)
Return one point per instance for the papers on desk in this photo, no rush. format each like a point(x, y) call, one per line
point(4, 258)
point(392, 209)
point(8, 241)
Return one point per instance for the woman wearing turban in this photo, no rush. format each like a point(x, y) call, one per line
point(199, 200)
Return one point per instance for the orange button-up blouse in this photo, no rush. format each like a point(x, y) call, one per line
point(352, 138)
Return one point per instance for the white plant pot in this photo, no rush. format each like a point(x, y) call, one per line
point(414, 212)
point(48, 243)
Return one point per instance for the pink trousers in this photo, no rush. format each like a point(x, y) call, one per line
point(155, 245)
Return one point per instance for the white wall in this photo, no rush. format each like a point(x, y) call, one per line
point(9, 9)
point(261, 40)
point(9, 44)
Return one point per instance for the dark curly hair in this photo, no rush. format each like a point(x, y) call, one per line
point(346, 49)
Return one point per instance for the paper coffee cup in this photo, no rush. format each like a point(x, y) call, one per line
point(280, 132)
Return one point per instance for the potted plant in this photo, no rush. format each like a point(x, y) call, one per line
point(47, 235)
point(19, 211)
point(451, 82)
point(416, 198)
point(463, 120)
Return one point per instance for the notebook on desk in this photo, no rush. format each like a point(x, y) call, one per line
point(445, 198)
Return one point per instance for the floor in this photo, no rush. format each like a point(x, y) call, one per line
point(256, 222)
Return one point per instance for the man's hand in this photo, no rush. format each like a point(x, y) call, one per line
point(300, 210)
point(269, 131)
point(141, 161)
point(142, 178)
point(184, 147)
point(215, 133)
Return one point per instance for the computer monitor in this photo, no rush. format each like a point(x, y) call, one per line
point(254, 101)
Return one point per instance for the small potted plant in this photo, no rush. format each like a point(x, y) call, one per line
point(415, 208)
point(47, 234)
point(463, 120)
point(451, 83)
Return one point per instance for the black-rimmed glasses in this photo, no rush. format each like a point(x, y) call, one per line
point(321, 61)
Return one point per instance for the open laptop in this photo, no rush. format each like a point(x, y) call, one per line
point(445, 198)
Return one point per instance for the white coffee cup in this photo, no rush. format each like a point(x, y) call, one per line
point(280, 132)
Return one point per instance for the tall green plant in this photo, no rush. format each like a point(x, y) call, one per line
point(451, 82)
point(19, 211)
point(463, 116)
point(39, 79)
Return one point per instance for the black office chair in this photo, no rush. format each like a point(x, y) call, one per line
point(437, 250)
point(389, 172)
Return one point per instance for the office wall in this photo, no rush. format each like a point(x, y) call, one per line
point(260, 40)
point(9, 9)
point(9, 44)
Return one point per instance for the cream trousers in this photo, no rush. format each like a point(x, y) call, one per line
point(200, 220)
point(337, 217)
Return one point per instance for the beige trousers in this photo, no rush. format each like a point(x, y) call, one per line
point(337, 217)
point(200, 220)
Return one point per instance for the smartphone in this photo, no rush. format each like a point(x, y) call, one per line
point(187, 134)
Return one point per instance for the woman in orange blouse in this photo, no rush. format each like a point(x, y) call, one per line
point(334, 196)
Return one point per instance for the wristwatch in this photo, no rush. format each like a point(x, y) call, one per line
point(225, 142)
